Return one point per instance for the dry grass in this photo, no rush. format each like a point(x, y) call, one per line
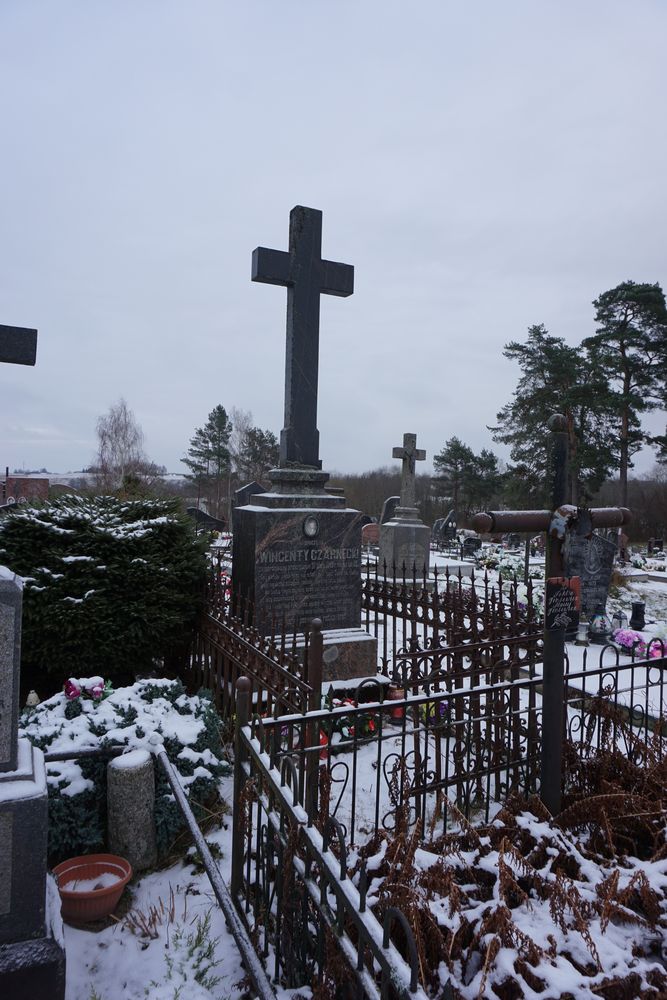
point(475, 898)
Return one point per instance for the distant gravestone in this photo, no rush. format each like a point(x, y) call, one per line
point(245, 494)
point(370, 534)
point(444, 529)
point(205, 520)
point(388, 508)
point(405, 541)
point(471, 545)
point(591, 559)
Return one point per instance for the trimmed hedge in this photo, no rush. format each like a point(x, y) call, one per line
point(110, 586)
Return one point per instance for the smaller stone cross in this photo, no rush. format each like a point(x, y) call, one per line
point(410, 454)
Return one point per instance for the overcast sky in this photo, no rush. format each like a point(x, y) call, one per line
point(485, 166)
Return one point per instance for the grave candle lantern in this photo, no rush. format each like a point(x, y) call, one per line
point(600, 628)
point(619, 620)
point(582, 633)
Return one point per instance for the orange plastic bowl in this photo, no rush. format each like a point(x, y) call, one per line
point(94, 903)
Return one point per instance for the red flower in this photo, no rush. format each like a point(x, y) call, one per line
point(72, 690)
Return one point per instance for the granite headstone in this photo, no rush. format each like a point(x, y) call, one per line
point(388, 508)
point(591, 558)
point(205, 520)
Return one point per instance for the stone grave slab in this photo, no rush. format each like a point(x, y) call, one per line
point(591, 559)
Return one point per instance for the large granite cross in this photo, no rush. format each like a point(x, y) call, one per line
point(410, 454)
point(18, 345)
point(307, 277)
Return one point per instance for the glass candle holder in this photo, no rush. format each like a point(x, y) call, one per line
point(600, 628)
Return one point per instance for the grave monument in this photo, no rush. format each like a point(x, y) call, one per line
point(590, 556)
point(405, 541)
point(564, 525)
point(297, 547)
point(32, 961)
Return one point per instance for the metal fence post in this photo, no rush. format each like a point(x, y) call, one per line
point(554, 639)
point(315, 646)
point(243, 688)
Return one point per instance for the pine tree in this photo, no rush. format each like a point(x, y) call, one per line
point(630, 343)
point(469, 482)
point(209, 460)
point(259, 453)
point(556, 378)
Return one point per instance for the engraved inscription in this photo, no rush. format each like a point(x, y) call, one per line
point(307, 555)
point(6, 830)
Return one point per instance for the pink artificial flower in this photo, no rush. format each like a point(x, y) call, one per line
point(97, 691)
point(72, 690)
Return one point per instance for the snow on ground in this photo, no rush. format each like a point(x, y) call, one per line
point(117, 964)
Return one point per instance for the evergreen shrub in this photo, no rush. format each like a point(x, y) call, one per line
point(145, 715)
point(110, 586)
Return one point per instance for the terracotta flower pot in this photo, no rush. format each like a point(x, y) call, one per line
point(91, 901)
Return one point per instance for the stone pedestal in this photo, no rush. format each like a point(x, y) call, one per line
point(32, 961)
point(405, 544)
point(347, 653)
point(23, 833)
point(131, 809)
point(297, 555)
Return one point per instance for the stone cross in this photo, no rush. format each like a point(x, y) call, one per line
point(18, 345)
point(307, 277)
point(410, 454)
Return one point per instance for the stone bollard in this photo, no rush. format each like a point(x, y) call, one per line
point(131, 808)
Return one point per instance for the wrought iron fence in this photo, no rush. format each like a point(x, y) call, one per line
point(290, 880)
point(403, 610)
point(312, 787)
point(283, 674)
point(472, 735)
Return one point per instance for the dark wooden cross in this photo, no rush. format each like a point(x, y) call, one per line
point(18, 345)
point(307, 277)
point(556, 522)
point(409, 454)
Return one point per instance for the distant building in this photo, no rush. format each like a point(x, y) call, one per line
point(20, 489)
